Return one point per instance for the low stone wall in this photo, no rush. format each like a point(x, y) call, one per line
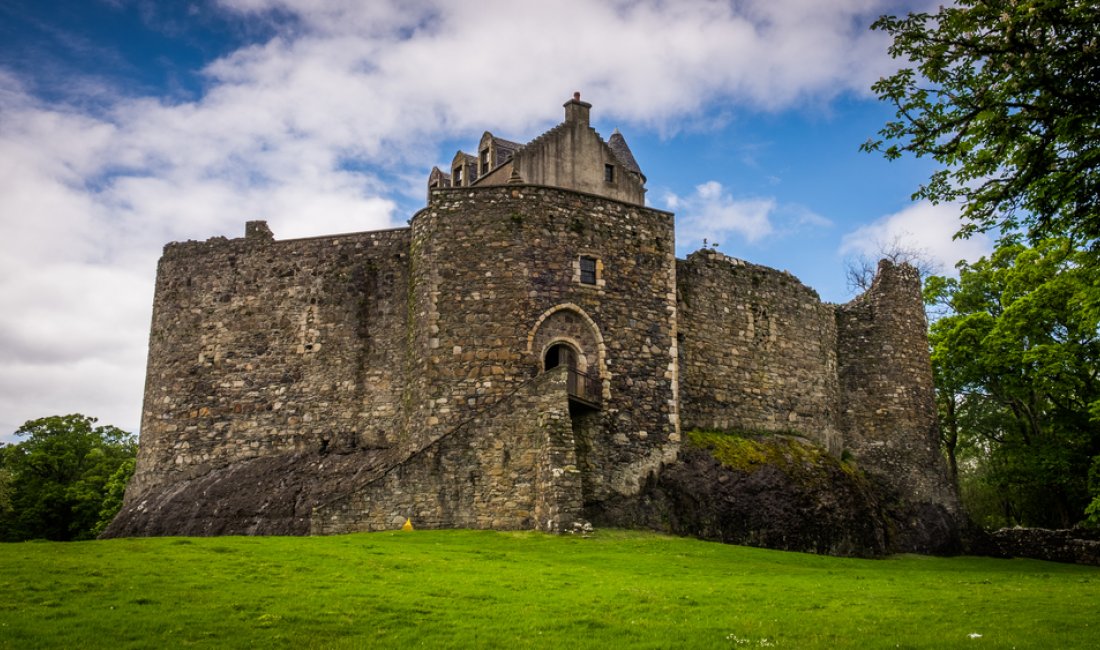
point(1076, 546)
point(512, 466)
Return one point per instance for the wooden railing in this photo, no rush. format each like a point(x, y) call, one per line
point(584, 387)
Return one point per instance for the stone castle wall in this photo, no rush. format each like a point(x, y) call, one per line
point(260, 347)
point(511, 466)
point(888, 409)
point(417, 356)
point(761, 352)
point(758, 350)
point(496, 280)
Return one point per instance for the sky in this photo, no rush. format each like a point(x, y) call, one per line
point(128, 124)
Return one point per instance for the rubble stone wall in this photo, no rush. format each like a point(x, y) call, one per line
point(497, 281)
point(513, 466)
point(888, 409)
point(260, 347)
point(757, 352)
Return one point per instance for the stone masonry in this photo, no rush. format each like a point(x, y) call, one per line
point(525, 351)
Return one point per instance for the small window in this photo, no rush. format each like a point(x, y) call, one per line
point(609, 173)
point(588, 270)
point(457, 176)
point(484, 161)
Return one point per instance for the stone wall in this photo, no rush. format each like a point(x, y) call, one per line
point(403, 373)
point(496, 280)
point(757, 351)
point(1075, 545)
point(261, 347)
point(512, 466)
point(888, 410)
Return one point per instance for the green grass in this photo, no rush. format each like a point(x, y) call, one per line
point(464, 589)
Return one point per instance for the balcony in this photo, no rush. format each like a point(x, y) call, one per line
point(583, 388)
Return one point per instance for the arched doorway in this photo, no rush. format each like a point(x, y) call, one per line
point(560, 354)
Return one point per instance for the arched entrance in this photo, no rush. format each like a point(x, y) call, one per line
point(560, 354)
point(565, 335)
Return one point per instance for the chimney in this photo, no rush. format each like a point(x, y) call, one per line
point(576, 111)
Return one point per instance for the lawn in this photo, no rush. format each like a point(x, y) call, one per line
point(465, 589)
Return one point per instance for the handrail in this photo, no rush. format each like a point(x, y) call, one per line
point(584, 386)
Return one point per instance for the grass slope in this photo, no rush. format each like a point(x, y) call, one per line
point(489, 589)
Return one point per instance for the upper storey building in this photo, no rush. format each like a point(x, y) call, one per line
point(570, 156)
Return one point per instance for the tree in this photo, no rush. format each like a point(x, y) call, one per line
point(113, 492)
point(59, 477)
point(860, 270)
point(1017, 364)
point(1003, 94)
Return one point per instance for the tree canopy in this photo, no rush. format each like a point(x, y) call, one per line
point(1004, 95)
point(1017, 364)
point(65, 480)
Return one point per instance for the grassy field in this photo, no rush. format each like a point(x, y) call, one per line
point(463, 589)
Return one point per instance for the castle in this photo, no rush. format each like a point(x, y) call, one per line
point(528, 349)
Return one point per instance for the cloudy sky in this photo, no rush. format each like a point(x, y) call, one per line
point(126, 124)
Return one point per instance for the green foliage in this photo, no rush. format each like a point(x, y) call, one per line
point(1017, 362)
point(1093, 509)
point(57, 479)
point(733, 451)
point(748, 452)
point(1001, 93)
point(113, 492)
point(788, 452)
point(6, 479)
point(484, 589)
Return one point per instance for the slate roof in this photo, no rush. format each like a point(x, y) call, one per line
point(618, 147)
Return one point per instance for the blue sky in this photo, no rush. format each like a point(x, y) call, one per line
point(126, 124)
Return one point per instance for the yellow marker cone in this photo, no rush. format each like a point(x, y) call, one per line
point(408, 524)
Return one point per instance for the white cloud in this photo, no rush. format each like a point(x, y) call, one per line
point(303, 129)
point(714, 215)
point(922, 227)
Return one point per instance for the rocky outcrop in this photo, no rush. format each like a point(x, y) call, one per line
point(775, 492)
point(271, 495)
point(780, 492)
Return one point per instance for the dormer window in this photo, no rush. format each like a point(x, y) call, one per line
point(485, 161)
point(609, 173)
point(457, 177)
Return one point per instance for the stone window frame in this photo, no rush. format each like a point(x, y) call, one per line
point(578, 275)
point(608, 173)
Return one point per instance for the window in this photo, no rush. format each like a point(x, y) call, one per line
point(609, 173)
point(588, 270)
point(484, 161)
point(457, 176)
